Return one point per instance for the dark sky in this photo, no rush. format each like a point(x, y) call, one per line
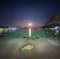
point(21, 12)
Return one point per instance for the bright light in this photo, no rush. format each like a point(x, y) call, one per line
point(30, 24)
point(14, 29)
point(56, 27)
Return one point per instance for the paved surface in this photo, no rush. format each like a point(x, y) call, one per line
point(9, 49)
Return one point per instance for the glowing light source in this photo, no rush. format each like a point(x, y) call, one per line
point(56, 27)
point(14, 29)
point(30, 24)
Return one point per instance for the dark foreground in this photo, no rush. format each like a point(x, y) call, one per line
point(9, 49)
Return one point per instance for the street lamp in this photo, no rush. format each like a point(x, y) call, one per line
point(30, 25)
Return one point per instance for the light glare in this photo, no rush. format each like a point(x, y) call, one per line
point(30, 24)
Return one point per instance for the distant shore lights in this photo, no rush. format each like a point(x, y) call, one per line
point(30, 25)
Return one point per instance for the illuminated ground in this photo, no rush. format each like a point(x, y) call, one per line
point(9, 49)
point(44, 48)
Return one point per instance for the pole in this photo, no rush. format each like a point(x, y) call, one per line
point(30, 25)
point(29, 32)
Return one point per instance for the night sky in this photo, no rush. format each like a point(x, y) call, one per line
point(21, 12)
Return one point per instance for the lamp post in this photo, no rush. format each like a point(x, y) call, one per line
point(30, 25)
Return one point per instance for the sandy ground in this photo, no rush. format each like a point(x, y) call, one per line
point(9, 49)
